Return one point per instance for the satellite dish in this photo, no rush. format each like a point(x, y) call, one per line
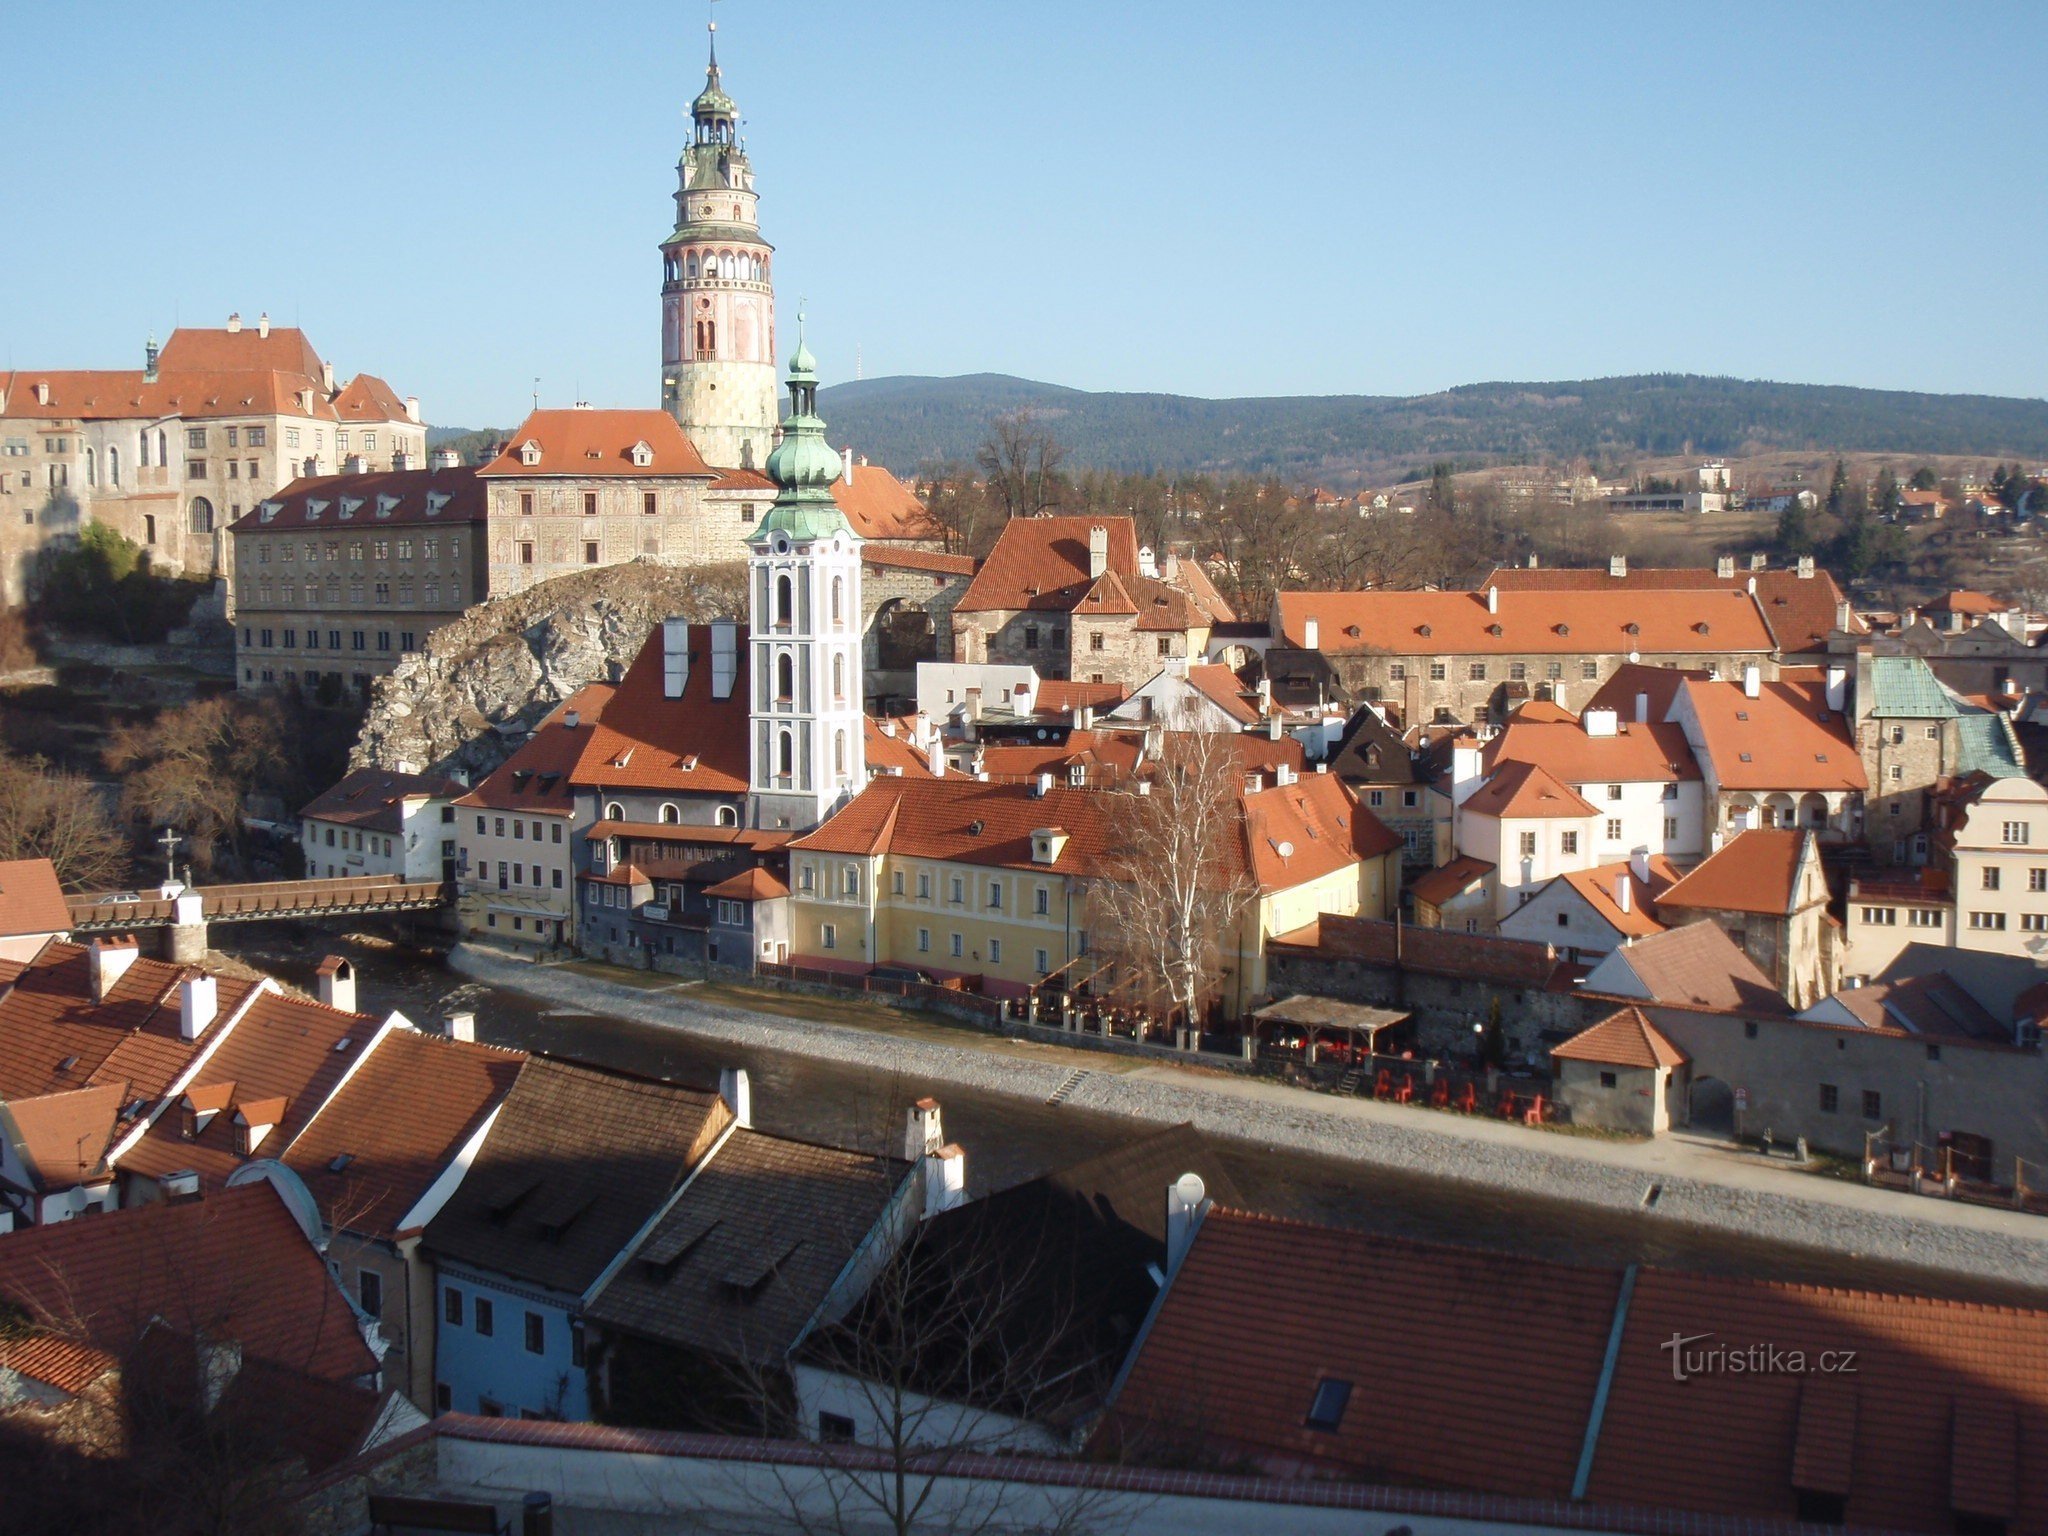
point(1190, 1190)
point(291, 1189)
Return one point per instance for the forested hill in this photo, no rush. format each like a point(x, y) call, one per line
point(904, 422)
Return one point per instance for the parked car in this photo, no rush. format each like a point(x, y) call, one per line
point(121, 898)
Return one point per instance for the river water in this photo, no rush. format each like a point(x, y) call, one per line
point(1007, 1139)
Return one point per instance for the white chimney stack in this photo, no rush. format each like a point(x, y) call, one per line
point(198, 1002)
point(921, 1130)
point(1311, 635)
point(935, 756)
point(1041, 786)
point(1838, 687)
point(1639, 861)
point(1493, 599)
point(571, 719)
point(945, 1180)
point(1642, 709)
point(444, 458)
point(462, 1026)
point(1600, 722)
point(263, 324)
point(1187, 1202)
point(335, 983)
point(1752, 681)
point(1098, 551)
point(675, 657)
point(1623, 885)
point(1806, 567)
point(1725, 567)
point(1617, 565)
point(235, 323)
point(738, 1093)
point(725, 656)
point(108, 961)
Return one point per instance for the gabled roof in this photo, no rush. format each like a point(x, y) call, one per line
point(909, 558)
point(592, 444)
point(200, 349)
point(1222, 687)
point(1988, 744)
point(577, 1160)
point(1635, 682)
point(1933, 1005)
point(1407, 623)
point(1786, 738)
point(1448, 881)
point(879, 506)
point(1905, 687)
point(397, 1123)
point(411, 498)
point(1623, 1039)
point(61, 1139)
point(1755, 871)
point(536, 777)
point(1526, 791)
point(1637, 753)
point(1106, 756)
point(1976, 605)
point(1600, 887)
point(1801, 610)
point(645, 740)
point(1061, 694)
point(31, 900)
point(893, 753)
point(739, 1263)
point(1041, 563)
point(1695, 966)
point(755, 884)
point(374, 798)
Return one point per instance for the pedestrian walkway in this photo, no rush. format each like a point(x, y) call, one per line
point(1676, 1178)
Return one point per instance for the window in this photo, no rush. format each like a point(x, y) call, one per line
point(1041, 961)
point(1670, 829)
point(1923, 917)
point(924, 941)
point(834, 1428)
point(995, 951)
point(1614, 829)
point(924, 885)
point(959, 891)
point(444, 1397)
point(1590, 671)
point(590, 552)
point(370, 1291)
point(1553, 671)
point(1095, 640)
point(486, 1316)
point(1437, 672)
point(1476, 671)
point(1873, 1104)
point(526, 553)
point(195, 437)
point(958, 946)
point(536, 1334)
point(1517, 672)
point(1988, 922)
point(1568, 842)
point(1030, 637)
point(2034, 922)
point(1326, 1408)
point(995, 896)
point(1881, 917)
point(828, 935)
point(255, 437)
point(526, 503)
point(1608, 1079)
point(1830, 1098)
point(1376, 798)
point(1528, 845)
point(1991, 879)
point(1041, 901)
point(1165, 645)
point(451, 1307)
point(2013, 832)
point(647, 503)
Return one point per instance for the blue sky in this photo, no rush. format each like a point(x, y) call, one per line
point(1261, 198)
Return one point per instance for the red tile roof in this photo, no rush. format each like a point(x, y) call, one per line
point(1656, 753)
point(1623, 1039)
point(1062, 695)
point(1221, 687)
point(1755, 871)
point(386, 498)
point(536, 777)
point(1968, 604)
point(1696, 966)
point(1801, 610)
point(194, 349)
point(61, 1139)
point(904, 557)
point(1786, 738)
point(1599, 888)
point(396, 1124)
point(1553, 623)
point(879, 506)
point(1107, 756)
point(695, 744)
point(374, 798)
point(886, 753)
point(590, 444)
point(754, 884)
point(31, 900)
point(1448, 881)
point(1525, 791)
point(1041, 563)
point(1632, 681)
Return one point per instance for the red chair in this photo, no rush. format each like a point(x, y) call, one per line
point(1440, 1095)
point(1508, 1106)
point(1468, 1101)
point(1533, 1115)
point(1383, 1085)
point(1405, 1094)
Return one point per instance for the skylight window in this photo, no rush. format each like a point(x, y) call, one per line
point(1326, 1411)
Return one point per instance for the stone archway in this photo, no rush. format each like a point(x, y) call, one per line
point(1710, 1107)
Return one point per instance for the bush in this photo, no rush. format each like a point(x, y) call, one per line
point(103, 584)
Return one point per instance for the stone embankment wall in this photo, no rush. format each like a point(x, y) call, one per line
point(482, 683)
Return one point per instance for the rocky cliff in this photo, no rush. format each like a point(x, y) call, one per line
point(466, 701)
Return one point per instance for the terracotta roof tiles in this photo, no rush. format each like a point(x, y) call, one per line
point(536, 777)
point(1526, 791)
point(1408, 623)
point(1801, 610)
point(1041, 563)
point(31, 900)
point(374, 798)
point(879, 506)
point(1623, 1039)
point(1786, 738)
point(413, 498)
point(594, 444)
point(1755, 871)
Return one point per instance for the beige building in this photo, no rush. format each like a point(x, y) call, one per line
point(1623, 1074)
point(1766, 890)
point(340, 577)
point(1998, 845)
point(172, 454)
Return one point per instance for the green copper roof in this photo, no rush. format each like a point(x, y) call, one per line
point(803, 465)
point(1905, 688)
point(1985, 744)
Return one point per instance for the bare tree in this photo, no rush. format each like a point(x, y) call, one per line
point(52, 813)
point(1020, 463)
point(957, 508)
point(1177, 880)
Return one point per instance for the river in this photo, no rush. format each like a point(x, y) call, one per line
point(1008, 1139)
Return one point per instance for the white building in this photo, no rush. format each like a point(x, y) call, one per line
point(375, 822)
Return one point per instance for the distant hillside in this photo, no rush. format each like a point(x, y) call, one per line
point(907, 421)
point(471, 442)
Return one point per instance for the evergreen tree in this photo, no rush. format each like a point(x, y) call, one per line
point(1443, 490)
point(1795, 529)
point(1924, 479)
point(1838, 491)
point(1889, 500)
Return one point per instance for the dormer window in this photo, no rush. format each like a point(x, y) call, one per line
point(314, 509)
point(436, 500)
point(350, 506)
point(529, 452)
point(641, 455)
point(385, 505)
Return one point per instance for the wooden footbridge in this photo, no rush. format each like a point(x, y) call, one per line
point(117, 911)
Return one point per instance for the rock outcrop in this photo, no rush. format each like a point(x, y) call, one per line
point(483, 683)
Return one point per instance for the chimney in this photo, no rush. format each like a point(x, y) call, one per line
point(1311, 635)
point(1617, 565)
point(402, 461)
point(846, 465)
point(1600, 722)
point(1187, 1202)
point(1098, 551)
point(1752, 681)
point(1838, 687)
point(235, 323)
point(1084, 717)
point(1842, 614)
point(149, 361)
point(107, 961)
point(945, 1180)
point(935, 756)
point(725, 656)
point(198, 1002)
point(571, 719)
point(327, 378)
point(42, 392)
point(738, 1093)
point(1467, 773)
point(1642, 709)
point(921, 1130)
point(1273, 725)
point(1759, 561)
point(412, 408)
point(1493, 599)
point(462, 1026)
point(1725, 567)
point(263, 325)
point(355, 464)
point(335, 983)
point(1623, 892)
point(1283, 775)
point(1639, 864)
point(974, 704)
point(444, 458)
point(1806, 567)
point(1146, 566)
point(675, 657)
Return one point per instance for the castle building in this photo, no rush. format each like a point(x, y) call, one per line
point(717, 293)
point(803, 586)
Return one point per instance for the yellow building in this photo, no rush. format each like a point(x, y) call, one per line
point(989, 883)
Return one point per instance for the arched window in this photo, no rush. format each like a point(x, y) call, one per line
point(142, 447)
point(163, 449)
point(785, 754)
point(614, 811)
point(785, 677)
point(785, 599)
point(670, 816)
point(839, 753)
point(201, 515)
point(728, 816)
point(838, 599)
point(92, 476)
point(691, 266)
point(113, 466)
point(839, 678)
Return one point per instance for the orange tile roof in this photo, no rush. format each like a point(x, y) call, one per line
point(62, 1138)
point(1041, 563)
point(374, 798)
point(1635, 681)
point(1656, 753)
point(1446, 881)
point(1542, 712)
point(741, 480)
point(1113, 754)
point(1062, 695)
point(1554, 623)
point(754, 884)
point(1968, 604)
point(1598, 888)
point(1222, 687)
point(54, 1038)
point(395, 497)
point(905, 557)
point(367, 398)
point(1755, 871)
point(536, 777)
point(1623, 1039)
point(31, 900)
point(600, 443)
point(1526, 791)
point(1786, 738)
point(282, 1060)
point(886, 753)
point(196, 349)
point(879, 506)
point(396, 1125)
point(695, 744)
point(1698, 966)
point(1800, 610)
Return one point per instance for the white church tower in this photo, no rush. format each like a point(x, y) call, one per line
point(803, 582)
